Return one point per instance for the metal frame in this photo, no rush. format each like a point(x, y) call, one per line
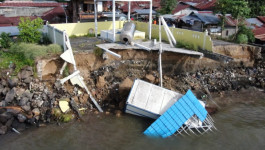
point(129, 12)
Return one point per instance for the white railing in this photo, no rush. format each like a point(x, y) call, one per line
point(56, 36)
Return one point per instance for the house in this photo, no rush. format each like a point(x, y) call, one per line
point(259, 30)
point(11, 11)
point(185, 7)
point(199, 21)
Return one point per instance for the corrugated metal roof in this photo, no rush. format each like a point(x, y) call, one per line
point(29, 4)
point(261, 18)
point(144, 11)
point(254, 21)
point(259, 33)
point(205, 18)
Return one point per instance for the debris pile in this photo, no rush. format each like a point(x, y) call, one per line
point(25, 101)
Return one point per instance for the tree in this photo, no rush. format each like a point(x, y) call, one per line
point(220, 8)
point(237, 8)
point(257, 7)
point(167, 6)
point(29, 31)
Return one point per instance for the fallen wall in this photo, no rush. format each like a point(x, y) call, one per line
point(199, 39)
point(80, 29)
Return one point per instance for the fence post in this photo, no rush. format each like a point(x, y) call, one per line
point(64, 46)
point(205, 35)
point(54, 39)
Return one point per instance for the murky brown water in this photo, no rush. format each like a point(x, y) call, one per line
point(241, 126)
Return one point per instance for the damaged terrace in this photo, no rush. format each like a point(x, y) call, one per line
point(110, 68)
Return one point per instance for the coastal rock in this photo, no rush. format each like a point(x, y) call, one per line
point(18, 125)
point(23, 101)
point(21, 118)
point(5, 116)
point(26, 107)
point(25, 73)
point(36, 111)
point(10, 96)
point(2, 104)
point(12, 82)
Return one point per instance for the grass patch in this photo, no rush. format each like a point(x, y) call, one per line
point(73, 36)
point(32, 51)
point(24, 54)
point(186, 45)
point(7, 58)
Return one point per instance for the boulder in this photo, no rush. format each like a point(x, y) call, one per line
point(23, 101)
point(36, 112)
point(21, 118)
point(26, 107)
point(4, 117)
point(101, 82)
point(150, 78)
point(12, 82)
point(10, 96)
point(25, 73)
point(18, 125)
point(126, 84)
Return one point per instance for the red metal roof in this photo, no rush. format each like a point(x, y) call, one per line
point(206, 5)
point(140, 5)
point(261, 18)
point(49, 15)
point(5, 21)
point(180, 7)
point(16, 20)
point(29, 4)
point(259, 33)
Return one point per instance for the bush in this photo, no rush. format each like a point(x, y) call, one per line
point(29, 31)
point(98, 51)
point(32, 51)
point(246, 31)
point(5, 40)
point(242, 39)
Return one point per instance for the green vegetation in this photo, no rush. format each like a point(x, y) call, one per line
point(98, 51)
point(246, 33)
point(167, 6)
point(23, 54)
point(257, 8)
point(242, 39)
point(7, 58)
point(73, 36)
point(239, 9)
point(5, 40)
point(29, 31)
point(66, 71)
point(32, 51)
point(186, 45)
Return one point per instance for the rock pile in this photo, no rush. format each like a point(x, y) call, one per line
point(26, 101)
